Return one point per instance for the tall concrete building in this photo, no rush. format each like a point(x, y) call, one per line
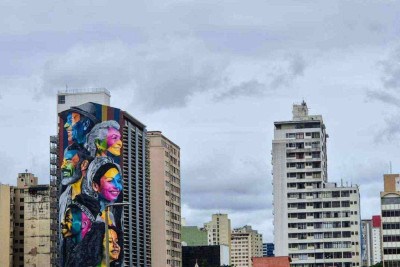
point(246, 243)
point(165, 199)
point(65, 100)
point(219, 230)
point(25, 210)
point(371, 241)
point(316, 223)
point(134, 162)
point(7, 223)
point(390, 208)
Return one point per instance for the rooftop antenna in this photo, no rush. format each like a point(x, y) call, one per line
point(390, 167)
point(341, 182)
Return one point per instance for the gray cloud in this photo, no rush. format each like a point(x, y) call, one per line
point(391, 130)
point(385, 97)
point(281, 75)
point(162, 75)
point(221, 186)
point(391, 70)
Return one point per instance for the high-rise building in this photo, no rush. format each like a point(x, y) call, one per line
point(165, 201)
point(25, 210)
point(376, 239)
point(219, 230)
point(268, 249)
point(65, 100)
point(316, 223)
point(7, 222)
point(107, 149)
point(371, 252)
point(366, 242)
point(246, 243)
point(390, 208)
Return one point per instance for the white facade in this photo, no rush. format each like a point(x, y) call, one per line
point(70, 97)
point(376, 245)
point(390, 206)
point(316, 223)
point(366, 242)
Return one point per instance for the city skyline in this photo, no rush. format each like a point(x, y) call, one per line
point(214, 88)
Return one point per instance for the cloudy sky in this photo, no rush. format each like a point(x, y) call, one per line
point(213, 76)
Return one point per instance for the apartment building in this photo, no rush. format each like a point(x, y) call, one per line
point(316, 223)
point(219, 230)
point(390, 209)
point(246, 243)
point(25, 210)
point(165, 198)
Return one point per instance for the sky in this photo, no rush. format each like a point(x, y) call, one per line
point(213, 76)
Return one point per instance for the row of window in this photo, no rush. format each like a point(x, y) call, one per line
point(338, 234)
point(303, 246)
point(319, 215)
point(391, 213)
point(391, 238)
point(391, 251)
point(320, 225)
point(387, 226)
point(325, 194)
point(302, 175)
point(301, 135)
point(304, 165)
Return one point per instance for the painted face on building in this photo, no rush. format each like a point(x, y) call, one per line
point(110, 185)
point(114, 142)
point(70, 163)
point(113, 248)
point(70, 226)
point(72, 119)
point(75, 224)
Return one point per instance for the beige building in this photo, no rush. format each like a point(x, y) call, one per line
point(6, 229)
point(165, 201)
point(245, 244)
point(25, 210)
point(219, 230)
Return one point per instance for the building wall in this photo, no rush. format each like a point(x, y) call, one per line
point(203, 256)
point(71, 97)
point(194, 236)
point(271, 262)
point(390, 208)
point(6, 223)
point(366, 241)
point(219, 230)
point(315, 222)
point(376, 239)
point(37, 226)
point(132, 221)
point(246, 243)
point(165, 201)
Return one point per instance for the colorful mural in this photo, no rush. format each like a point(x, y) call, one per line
point(91, 179)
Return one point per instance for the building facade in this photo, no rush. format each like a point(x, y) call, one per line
point(205, 256)
point(316, 223)
point(219, 230)
point(7, 222)
point(194, 236)
point(376, 239)
point(165, 201)
point(246, 243)
point(65, 100)
point(268, 250)
point(390, 209)
point(103, 161)
point(366, 242)
point(25, 210)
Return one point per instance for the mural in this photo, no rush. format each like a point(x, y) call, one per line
point(91, 179)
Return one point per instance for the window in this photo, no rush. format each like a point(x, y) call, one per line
point(61, 99)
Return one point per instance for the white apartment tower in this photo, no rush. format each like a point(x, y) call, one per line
point(316, 223)
point(246, 243)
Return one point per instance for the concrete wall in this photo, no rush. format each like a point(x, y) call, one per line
point(6, 239)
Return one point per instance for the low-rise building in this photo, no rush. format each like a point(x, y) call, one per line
point(246, 243)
